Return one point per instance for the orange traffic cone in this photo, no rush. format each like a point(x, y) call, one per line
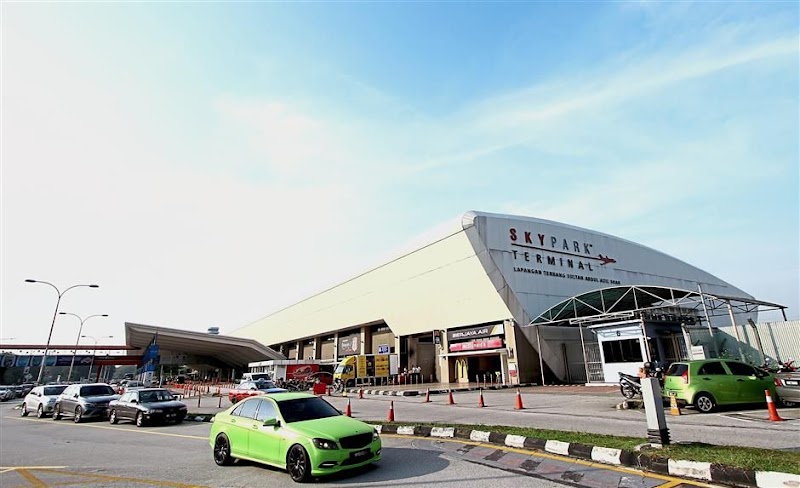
point(360, 393)
point(480, 400)
point(518, 404)
point(427, 395)
point(390, 417)
point(450, 400)
point(773, 412)
point(348, 411)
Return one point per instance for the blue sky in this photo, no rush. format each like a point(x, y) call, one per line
point(207, 164)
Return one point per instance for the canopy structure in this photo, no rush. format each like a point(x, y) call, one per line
point(625, 302)
point(232, 351)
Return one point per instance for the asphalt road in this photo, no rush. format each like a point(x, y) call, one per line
point(584, 409)
point(47, 453)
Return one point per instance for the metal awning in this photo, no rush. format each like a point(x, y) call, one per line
point(623, 302)
point(233, 351)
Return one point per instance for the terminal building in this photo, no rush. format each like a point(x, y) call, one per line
point(496, 298)
point(516, 300)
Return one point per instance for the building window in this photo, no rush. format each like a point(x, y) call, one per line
point(625, 351)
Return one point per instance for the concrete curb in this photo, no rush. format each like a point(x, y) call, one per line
point(436, 391)
point(716, 473)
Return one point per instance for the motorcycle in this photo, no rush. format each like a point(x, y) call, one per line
point(773, 366)
point(631, 386)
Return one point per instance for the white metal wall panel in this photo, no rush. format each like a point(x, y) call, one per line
point(438, 286)
point(540, 285)
point(472, 275)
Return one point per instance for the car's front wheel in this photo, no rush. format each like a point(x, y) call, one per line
point(704, 402)
point(24, 411)
point(139, 419)
point(298, 464)
point(222, 451)
point(78, 415)
point(57, 413)
point(112, 418)
point(40, 412)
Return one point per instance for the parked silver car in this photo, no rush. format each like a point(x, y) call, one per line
point(787, 386)
point(6, 393)
point(41, 400)
point(81, 401)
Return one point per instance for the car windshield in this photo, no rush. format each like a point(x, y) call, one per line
point(301, 409)
point(265, 385)
point(96, 390)
point(54, 390)
point(155, 396)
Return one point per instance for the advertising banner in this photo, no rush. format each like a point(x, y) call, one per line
point(300, 372)
point(349, 345)
point(67, 360)
point(382, 366)
point(476, 345)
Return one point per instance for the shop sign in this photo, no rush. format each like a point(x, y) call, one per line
point(476, 345)
point(475, 332)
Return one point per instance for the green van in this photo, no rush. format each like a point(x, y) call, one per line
point(707, 383)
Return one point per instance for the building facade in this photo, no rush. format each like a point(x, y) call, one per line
point(466, 305)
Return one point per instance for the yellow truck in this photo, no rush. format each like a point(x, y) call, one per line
point(364, 369)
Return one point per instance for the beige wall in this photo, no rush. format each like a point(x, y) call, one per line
point(328, 350)
point(442, 285)
point(379, 338)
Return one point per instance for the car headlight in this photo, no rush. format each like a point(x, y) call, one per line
point(375, 435)
point(324, 443)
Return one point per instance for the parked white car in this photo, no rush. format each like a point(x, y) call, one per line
point(41, 400)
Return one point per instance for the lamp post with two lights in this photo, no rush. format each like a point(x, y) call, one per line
point(50, 335)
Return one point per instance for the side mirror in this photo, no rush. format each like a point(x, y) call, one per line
point(253, 388)
point(75, 395)
point(134, 401)
point(272, 422)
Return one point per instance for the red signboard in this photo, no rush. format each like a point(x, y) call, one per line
point(492, 343)
point(300, 372)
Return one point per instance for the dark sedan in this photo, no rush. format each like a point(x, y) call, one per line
point(147, 405)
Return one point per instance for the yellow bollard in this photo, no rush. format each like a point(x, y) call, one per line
point(673, 404)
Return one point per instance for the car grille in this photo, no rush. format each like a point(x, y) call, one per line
point(356, 441)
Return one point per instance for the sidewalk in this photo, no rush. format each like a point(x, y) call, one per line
point(209, 404)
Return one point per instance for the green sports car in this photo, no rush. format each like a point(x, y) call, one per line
point(299, 432)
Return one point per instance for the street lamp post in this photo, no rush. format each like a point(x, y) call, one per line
point(77, 339)
point(50, 335)
point(94, 351)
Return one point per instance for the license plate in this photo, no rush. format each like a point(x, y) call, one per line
point(364, 453)
point(792, 382)
point(170, 415)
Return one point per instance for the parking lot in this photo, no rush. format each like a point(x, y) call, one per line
point(572, 408)
point(47, 453)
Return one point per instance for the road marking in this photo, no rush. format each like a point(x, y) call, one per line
point(24, 471)
point(31, 478)
point(108, 427)
point(669, 480)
